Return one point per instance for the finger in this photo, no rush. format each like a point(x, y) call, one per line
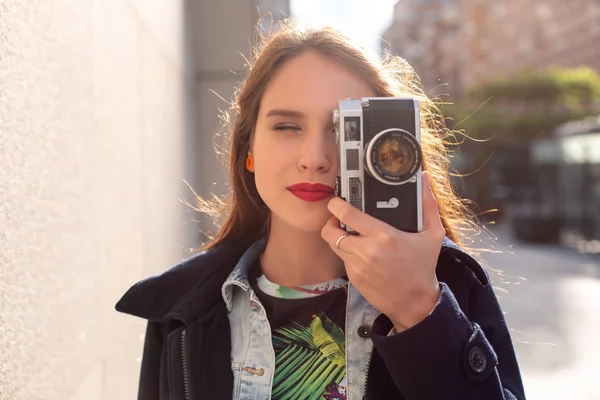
point(354, 218)
point(331, 233)
point(331, 230)
point(431, 214)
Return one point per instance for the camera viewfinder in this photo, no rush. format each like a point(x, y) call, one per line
point(352, 129)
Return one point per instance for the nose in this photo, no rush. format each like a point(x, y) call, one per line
point(318, 152)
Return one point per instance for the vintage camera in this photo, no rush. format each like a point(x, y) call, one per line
point(380, 159)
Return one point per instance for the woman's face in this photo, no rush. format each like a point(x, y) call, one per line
point(294, 142)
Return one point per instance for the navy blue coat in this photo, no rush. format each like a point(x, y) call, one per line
point(462, 351)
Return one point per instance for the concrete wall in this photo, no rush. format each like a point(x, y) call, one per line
point(105, 108)
point(92, 126)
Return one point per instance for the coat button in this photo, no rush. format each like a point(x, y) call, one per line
point(364, 331)
point(477, 359)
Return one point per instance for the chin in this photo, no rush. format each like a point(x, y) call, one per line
point(306, 217)
point(308, 222)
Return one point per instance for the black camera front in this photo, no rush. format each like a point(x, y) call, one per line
point(380, 159)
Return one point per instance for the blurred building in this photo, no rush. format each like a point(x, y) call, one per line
point(508, 36)
point(464, 42)
point(427, 34)
point(565, 194)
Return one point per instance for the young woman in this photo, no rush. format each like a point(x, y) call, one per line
point(283, 304)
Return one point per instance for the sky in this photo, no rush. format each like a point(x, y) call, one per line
point(362, 20)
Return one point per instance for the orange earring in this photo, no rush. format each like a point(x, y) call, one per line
point(250, 163)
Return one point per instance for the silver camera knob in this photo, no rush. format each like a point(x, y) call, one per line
point(336, 125)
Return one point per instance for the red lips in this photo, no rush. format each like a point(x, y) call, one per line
point(311, 191)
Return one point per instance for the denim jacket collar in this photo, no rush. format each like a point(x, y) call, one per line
point(239, 274)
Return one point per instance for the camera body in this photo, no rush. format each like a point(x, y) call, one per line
point(380, 159)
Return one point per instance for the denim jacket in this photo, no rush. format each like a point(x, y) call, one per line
point(251, 335)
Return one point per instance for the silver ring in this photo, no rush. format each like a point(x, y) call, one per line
point(337, 244)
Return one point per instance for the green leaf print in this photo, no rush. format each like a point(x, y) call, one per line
point(308, 359)
point(295, 334)
point(329, 338)
point(289, 293)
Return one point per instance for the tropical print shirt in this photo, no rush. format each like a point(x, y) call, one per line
point(307, 325)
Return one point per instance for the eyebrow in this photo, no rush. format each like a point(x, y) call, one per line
point(284, 113)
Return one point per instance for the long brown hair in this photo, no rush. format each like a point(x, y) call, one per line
point(246, 215)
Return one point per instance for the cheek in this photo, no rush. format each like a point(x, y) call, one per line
point(271, 153)
point(271, 166)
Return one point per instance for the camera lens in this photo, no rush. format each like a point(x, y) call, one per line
point(393, 156)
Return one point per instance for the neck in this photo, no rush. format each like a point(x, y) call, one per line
point(297, 258)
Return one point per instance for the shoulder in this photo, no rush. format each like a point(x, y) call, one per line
point(462, 272)
point(453, 256)
point(158, 297)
